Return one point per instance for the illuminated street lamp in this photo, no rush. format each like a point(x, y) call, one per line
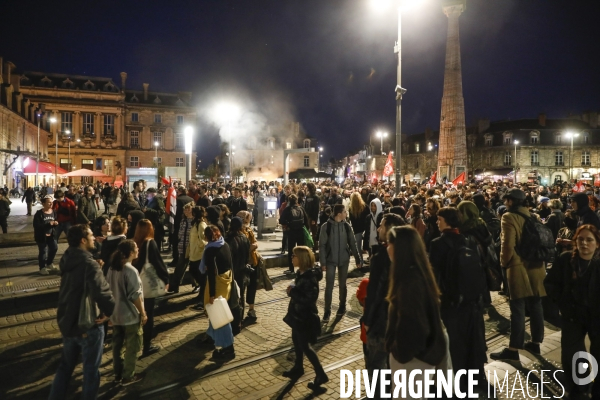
point(516, 142)
point(156, 152)
point(382, 5)
point(226, 113)
point(53, 120)
point(188, 134)
point(571, 135)
point(320, 155)
point(381, 135)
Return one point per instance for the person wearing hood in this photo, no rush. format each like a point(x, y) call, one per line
point(585, 215)
point(370, 235)
point(336, 243)
point(78, 272)
point(133, 218)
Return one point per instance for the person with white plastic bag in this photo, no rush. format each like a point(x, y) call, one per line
point(218, 266)
point(154, 276)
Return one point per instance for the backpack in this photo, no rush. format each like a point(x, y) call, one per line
point(297, 218)
point(465, 275)
point(537, 241)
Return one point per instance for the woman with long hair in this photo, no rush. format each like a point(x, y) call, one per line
point(218, 265)
point(148, 249)
point(303, 316)
point(358, 217)
point(100, 230)
point(416, 219)
point(197, 244)
point(573, 283)
point(415, 336)
point(225, 216)
point(432, 206)
point(240, 255)
point(253, 261)
point(129, 315)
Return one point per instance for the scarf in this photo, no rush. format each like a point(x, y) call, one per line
point(218, 244)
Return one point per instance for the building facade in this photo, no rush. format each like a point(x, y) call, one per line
point(104, 127)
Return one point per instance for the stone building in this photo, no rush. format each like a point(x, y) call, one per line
point(19, 132)
point(105, 127)
point(260, 156)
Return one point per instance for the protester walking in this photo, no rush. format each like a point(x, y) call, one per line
point(294, 220)
point(29, 197)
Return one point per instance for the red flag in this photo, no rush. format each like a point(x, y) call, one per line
point(389, 167)
point(580, 187)
point(433, 179)
point(597, 180)
point(460, 179)
point(165, 181)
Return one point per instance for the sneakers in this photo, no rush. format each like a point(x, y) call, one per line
point(252, 314)
point(326, 316)
point(130, 381)
point(52, 267)
point(196, 289)
point(45, 271)
point(505, 354)
point(532, 347)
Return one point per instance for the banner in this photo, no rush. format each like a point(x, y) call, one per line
point(580, 187)
point(433, 179)
point(460, 179)
point(388, 170)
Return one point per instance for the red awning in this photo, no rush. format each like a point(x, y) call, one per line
point(45, 168)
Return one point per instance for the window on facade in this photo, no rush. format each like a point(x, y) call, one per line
point(158, 161)
point(134, 161)
point(180, 120)
point(157, 118)
point(64, 163)
point(108, 167)
point(251, 159)
point(179, 162)
point(134, 139)
point(87, 164)
point(507, 158)
point(66, 123)
point(585, 158)
point(109, 124)
point(179, 143)
point(306, 161)
point(488, 140)
point(307, 144)
point(135, 117)
point(157, 137)
point(558, 158)
point(586, 137)
point(88, 123)
point(507, 140)
point(558, 139)
point(534, 138)
point(288, 145)
point(417, 148)
point(534, 157)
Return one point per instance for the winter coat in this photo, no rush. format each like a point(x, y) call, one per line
point(370, 234)
point(359, 223)
point(5, 207)
point(555, 221)
point(525, 278)
point(125, 206)
point(335, 248)
point(577, 296)
point(197, 241)
point(312, 206)
point(65, 210)
point(240, 252)
point(376, 305)
point(87, 210)
point(78, 268)
point(302, 315)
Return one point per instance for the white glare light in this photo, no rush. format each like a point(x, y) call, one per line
point(381, 5)
point(188, 134)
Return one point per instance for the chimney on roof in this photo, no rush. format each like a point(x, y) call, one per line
point(542, 119)
point(123, 80)
point(145, 91)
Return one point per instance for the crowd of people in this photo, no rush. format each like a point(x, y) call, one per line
point(434, 254)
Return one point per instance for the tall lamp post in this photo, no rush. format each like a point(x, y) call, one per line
point(571, 135)
point(53, 120)
point(319, 160)
point(37, 158)
point(381, 135)
point(516, 142)
point(156, 153)
point(188, 134)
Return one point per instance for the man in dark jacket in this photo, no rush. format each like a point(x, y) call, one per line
point(312, 207)
point(81, 275)
point(87, 210)
point(203, 199)
point(155, 211)
point(293, 219)
point(585, 215)
point(492, 223)
point(236, 203)
point(106, 194)
point(29, 197)
point(376, 306)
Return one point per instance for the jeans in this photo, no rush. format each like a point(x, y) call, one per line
point(330, 280)
point(90, 346)
point(301, 347)
point(29, 207)
point(178, 274)
point(46, 258)
point(294, 238)
point(62, 227)
point(572, 341)
point(517, 321)
point(124, 359)
point(359, 241)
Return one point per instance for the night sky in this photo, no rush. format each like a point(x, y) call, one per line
point(328, 64)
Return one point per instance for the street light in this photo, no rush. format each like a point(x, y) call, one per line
point(53, 120)
point(381, 135)
point(571, 135)
point(188, 134)
point(156, 153)
point(516, 142)
point(37, 158)
point(320, 155)
point(226, 113)
point(69, 159)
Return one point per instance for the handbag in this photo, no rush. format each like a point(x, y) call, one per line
point(87, 309)
point(152, 285)
point(308, 240)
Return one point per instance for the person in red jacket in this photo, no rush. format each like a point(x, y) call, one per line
point(66, 213)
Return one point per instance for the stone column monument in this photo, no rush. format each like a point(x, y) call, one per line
point(452, 156)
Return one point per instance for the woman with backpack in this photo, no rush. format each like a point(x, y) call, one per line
point(303, 316)
point(573, 283)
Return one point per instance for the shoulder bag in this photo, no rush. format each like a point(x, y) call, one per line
point(152, 285)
